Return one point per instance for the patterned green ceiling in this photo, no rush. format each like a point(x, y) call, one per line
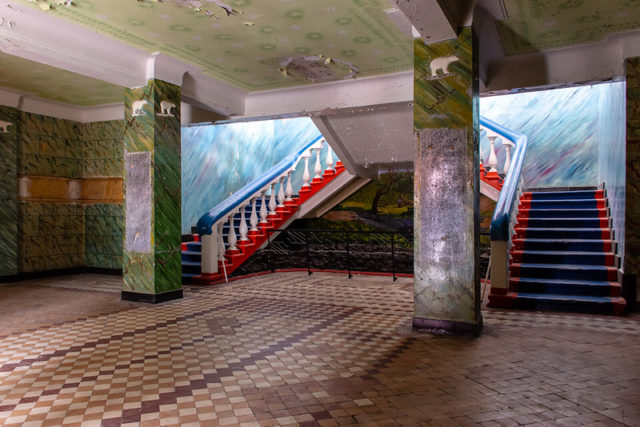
point(534, 25)
point(246, 48)
point(55, 84)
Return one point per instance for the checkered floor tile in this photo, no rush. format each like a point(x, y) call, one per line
point(292, 349)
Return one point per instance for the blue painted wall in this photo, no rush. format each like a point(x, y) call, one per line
point(218, 160)
point(612, 152)
point(562, 128)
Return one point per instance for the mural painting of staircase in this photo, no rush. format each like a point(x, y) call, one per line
point(563, 255)
point(234, 258)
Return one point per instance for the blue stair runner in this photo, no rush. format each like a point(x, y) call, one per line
point(563, 256)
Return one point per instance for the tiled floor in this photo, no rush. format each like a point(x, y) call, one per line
point(288, 349)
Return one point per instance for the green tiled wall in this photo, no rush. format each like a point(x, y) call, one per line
point(51, 236)
point(49, 147)
point(103, 149)
point(54, 236)
point(104, 227)
point(8, 194)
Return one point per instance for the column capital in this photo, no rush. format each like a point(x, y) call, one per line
point(168, 69)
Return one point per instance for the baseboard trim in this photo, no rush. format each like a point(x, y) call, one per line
point(629, 292)
point(447, 327)
point(60, 272)
point(152, 298)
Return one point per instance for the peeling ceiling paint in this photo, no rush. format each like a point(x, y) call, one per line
point(244, 42)
point(56, 84)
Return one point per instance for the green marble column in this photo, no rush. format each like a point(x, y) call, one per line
point(447, 283)
point(152, 257)
point(631, 267)
point(8, 192)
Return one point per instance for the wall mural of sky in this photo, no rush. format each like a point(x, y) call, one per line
point(218, 160)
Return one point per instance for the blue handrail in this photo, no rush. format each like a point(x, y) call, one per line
point(504, 207)
point(206, 221)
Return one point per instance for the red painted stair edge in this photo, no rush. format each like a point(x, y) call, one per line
point(234, 259)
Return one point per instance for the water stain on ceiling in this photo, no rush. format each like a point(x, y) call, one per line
point(244, 42)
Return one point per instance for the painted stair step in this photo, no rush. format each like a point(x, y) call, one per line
point(565, 204)
point(194, 246)
point(564, 222)
point(565, 287)
point(561, 257)
point(564, 271)
point(563, 195)
point(191, 256)
point(584, 245)
point(560, 233)
point(554, 302)
point(562, 213)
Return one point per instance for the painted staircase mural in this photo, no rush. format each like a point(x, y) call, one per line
point(231, 232)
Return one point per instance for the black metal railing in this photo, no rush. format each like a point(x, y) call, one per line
point(351, 251)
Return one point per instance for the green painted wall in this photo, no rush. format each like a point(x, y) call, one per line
point(8, 192)
point(159, 269)
point(41, 236)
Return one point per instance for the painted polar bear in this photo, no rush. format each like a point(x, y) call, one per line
point(442, 64)
point(166, 107)
point(4, 126)
point(137, 107)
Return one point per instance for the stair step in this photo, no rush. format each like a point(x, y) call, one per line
point(565, 204)
point(583, 245)
point(564, 271)
point(565, 287)
point(564, 195)
point(562, 213)
point(562, 257)
point(560, 233)
point(559, 302)
point(563, 222)
point(194, 246)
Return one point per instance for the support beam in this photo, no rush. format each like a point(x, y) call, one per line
point(446, 260)
point(631, 266)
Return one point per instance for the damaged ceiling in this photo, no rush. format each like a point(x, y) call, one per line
point(254, 44)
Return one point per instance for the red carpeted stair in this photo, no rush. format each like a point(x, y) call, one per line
point(563, 255)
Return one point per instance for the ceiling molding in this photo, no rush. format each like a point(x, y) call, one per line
point(32, 104)
point(168, 69)
point(386, 89)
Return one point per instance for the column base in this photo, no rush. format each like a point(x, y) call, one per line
point(447, 327)
point(151, 298)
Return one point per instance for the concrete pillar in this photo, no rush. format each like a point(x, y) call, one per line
point(8, 192)
point(631, 267)
point(447, 283)
point(152, 256)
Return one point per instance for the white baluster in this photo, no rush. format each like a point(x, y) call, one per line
point(507, 163)
point(281, 193)
point(318, 167)
point(232, 238)
point(253, 219)
point(493, 159)
point(263, 207)
point(329, 159)
point(288, 192)
point(272, 200)
point(306, 176)
point(243, 224)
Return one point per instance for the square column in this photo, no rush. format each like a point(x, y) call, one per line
point(8, 192)
point(152, 269)
point(446, 237)
point(631, 267)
